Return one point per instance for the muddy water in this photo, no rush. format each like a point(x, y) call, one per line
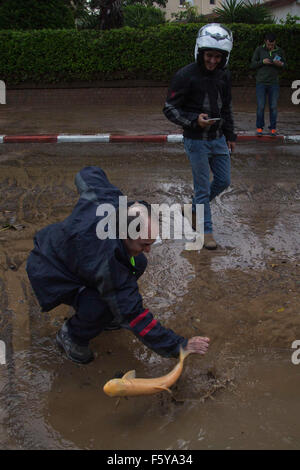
point(245, 296)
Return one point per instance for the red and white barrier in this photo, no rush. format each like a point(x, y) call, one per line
point(112, 138)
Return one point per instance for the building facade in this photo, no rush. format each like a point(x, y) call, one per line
point(204, 7)
point(280, 8)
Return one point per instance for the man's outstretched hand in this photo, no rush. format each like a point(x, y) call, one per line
point(198, 345)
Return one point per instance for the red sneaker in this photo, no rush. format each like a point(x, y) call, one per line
point(259, 131)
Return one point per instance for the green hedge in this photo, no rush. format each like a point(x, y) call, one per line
point(52, 56)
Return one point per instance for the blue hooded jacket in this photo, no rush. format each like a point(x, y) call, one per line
point(68, 255)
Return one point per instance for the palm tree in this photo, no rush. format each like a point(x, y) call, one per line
point(256, 13)
point(230, 11)
point(240, 11)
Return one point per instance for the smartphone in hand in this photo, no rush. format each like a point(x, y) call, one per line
point(212, 119)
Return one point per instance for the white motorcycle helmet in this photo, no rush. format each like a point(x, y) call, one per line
point(214, 36)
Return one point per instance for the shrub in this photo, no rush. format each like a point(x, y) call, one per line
point(290, 19)
point(188, 15)
point(139, 16)
point(49, 56)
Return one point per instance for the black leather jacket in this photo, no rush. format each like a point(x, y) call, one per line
point(193, 91)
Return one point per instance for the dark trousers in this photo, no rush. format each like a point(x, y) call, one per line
point(92, 314)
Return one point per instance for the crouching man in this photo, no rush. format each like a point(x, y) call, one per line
point(71, 265)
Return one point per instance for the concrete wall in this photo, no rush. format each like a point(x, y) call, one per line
point(281, 13)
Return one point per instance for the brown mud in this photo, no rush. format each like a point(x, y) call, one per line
point(245, 296)
point(135, 118)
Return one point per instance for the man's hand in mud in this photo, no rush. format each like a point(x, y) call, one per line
point(198, 345)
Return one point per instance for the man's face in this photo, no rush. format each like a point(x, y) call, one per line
point(143, 245)
point(212, 59)
point(270, 44)
point(136, 247)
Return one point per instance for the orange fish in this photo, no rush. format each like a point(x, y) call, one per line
point(129, 385)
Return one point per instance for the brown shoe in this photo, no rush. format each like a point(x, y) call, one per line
point(210, 242)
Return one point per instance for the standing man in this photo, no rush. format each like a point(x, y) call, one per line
point(268, 60)
point(198, 92)
point(71, 265)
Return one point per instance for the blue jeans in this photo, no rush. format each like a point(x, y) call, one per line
point(262, 91)
point(206, 155)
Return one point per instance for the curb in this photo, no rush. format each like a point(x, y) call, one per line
point(111, 138)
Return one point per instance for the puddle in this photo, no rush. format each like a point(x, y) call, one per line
point(245, 297)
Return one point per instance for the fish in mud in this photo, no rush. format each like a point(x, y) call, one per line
point(129, 385)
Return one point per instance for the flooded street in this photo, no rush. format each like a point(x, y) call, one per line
point(244, 393)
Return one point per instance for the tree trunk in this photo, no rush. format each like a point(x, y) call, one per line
point(111, 15)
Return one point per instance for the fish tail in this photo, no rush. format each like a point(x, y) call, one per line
point(183, 354)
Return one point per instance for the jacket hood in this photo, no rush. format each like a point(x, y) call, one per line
point(93, 185)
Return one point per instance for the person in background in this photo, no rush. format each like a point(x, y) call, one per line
point(199, 91)
point(268, 59)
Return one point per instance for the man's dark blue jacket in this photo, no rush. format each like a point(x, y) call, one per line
point(68, 255)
